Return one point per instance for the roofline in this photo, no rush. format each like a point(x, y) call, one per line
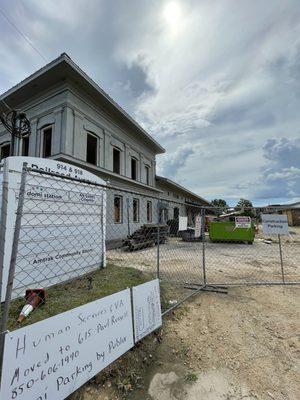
point(172, 183)
point(66, 58)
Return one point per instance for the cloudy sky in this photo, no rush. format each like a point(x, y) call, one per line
point(217, 83)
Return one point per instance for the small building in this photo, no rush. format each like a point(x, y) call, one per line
point(291, 210)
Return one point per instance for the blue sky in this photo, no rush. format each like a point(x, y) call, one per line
point(217, 83)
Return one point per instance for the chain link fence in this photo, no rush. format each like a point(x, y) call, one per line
point(69, 241)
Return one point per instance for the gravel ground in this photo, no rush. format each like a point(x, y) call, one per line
point(225, 262)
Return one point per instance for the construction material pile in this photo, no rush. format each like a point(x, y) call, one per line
point(146, 236)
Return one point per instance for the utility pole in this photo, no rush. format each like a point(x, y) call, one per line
point(17, 125)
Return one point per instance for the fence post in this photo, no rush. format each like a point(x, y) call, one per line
point(4, 202)
point(12, 264)
point(203, 245)
point(157, 253)
point(281, 259)
point(14, 250)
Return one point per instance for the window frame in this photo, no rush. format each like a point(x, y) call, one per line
point(120, 221)
point(43, 131)
point(91, 134)
point(149, 211)
point(116, 149)
point(136, 168)
point(137, 202)
point(22, 145)
point(147, 174)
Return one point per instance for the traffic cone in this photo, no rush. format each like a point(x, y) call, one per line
point(34, 297)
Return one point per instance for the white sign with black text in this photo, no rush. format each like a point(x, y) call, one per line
point(49, 360)
point(63, 224)
point(275, 224)
point(146, 308)
point(243, 222)
point(182, 224)
point(197, 226)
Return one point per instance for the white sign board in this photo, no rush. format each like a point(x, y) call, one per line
point(49, 360)
point(197, 226)
point(243, 222)
point(63, 224)
point(182, 224)
point(275, 224)
point(146, 308)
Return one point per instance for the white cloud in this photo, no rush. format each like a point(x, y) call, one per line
point(213, 81)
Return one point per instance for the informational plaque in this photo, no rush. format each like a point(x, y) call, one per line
point(197, 226)
point(243, 222)
point(182, 224)
point(146, 308)
point(49, 360)
point(275, 224)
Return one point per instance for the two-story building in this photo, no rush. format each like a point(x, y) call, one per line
point(75, 121)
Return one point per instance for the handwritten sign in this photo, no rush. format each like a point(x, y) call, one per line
point(63, 223)
point(182, 224)
point(275, 224)
point(197, 226)
point(52, 358)
point(146, 308)
point(243, 222)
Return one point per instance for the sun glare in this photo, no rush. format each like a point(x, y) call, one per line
point(172, 14)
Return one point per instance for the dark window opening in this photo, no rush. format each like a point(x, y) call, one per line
point(91, 149)
point(136, 210)
point(149, 211)
point(133, 169)
point(47, 142)
point(118, 203)
point(5, 151)
point(147, 173)
point(116, 161)
point(25, 146)
point(176, 213)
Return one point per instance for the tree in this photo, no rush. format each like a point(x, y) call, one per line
point(220, 203)
point(246, 206)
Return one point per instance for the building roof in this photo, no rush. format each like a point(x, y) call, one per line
point(285, 206)
point(186, 192)
point(61, 69)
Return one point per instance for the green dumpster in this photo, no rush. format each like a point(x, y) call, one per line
point(225, 231)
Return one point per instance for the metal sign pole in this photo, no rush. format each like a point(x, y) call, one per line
point(203, 246)
point(281, 259)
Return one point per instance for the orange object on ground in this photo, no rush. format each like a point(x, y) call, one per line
point(34, 297)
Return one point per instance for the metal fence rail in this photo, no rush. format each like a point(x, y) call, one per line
point(66, 230)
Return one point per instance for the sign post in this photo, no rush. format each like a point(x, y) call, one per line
point(276, 224)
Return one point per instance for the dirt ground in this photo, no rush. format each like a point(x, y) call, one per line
point(240, 345)
point(225, 262)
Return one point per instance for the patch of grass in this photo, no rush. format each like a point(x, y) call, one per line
point(191, 377)
point(92, 286)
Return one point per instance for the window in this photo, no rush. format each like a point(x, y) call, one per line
point(5, 151)
point(149, 211)
point(47, 142)
point(25, 145)
point(118, 209)
point(136, 210)
point(133, 168)
point(147, 174)
point(91, 149)
point(116, 161)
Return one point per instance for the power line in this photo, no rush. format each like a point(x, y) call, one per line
point(22, 34)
